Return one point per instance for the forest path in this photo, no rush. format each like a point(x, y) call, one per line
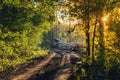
point(52, 67)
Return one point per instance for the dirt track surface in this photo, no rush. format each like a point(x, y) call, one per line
point(52, 67)
point(63, 74)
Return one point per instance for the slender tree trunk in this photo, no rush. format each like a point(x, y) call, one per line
point(101, 38)
point(88, 42)
point(101, 32)
point(88, 28)
point(93, 39)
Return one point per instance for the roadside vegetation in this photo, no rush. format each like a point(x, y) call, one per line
point(22, 25)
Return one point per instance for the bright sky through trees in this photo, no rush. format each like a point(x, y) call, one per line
point(66, 19)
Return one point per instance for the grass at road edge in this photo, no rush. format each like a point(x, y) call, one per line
point(6, 63)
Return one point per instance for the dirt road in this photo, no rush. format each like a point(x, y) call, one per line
point(53, 67)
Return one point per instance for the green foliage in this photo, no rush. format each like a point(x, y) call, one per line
point(104, 61)
point(22, 24)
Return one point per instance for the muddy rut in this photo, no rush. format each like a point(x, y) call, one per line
point(53, 67)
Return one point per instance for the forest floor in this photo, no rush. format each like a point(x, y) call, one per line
point(54, 66)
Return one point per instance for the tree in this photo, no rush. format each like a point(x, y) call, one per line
point(22, 24)
point(92, 13)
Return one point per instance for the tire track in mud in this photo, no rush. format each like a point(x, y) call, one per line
point(28, 72)
point(56, 66)
point(58, 69)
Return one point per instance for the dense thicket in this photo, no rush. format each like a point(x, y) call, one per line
point(22, 24)
point(100, 20)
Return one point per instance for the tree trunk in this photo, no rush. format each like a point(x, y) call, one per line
point(88, 43)
point(88, 28)
point(101, 38)
point(93, 39)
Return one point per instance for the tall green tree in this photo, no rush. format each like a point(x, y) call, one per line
point(22, 24)
point(90, 14)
